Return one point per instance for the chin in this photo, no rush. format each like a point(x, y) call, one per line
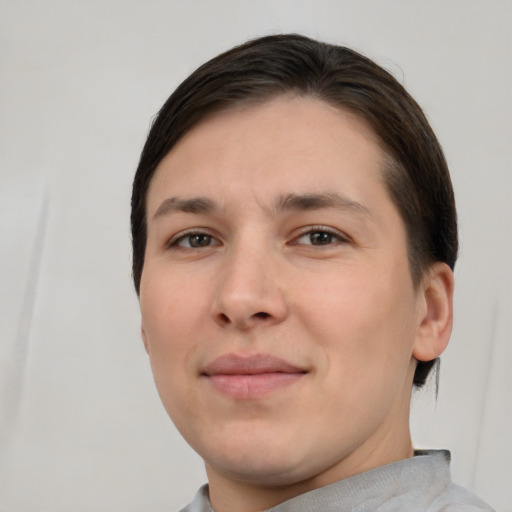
point(263, 463)
point(267, 473)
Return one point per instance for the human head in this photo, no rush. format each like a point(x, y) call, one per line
point(415, 172)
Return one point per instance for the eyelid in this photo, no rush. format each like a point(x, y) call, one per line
point(343, 238)
point(175, 239)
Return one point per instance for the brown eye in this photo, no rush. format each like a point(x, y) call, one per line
point(320, 238)
point(200, 240)
point(194, 241)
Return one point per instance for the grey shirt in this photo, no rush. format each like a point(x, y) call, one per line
point(419, 484)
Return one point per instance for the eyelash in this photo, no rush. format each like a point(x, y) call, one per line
point(333, 234)
point(175, 241)
point(339, 237)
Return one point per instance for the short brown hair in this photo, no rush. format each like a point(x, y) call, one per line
point(416, 172)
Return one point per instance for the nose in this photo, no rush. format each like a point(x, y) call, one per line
point(248, 292)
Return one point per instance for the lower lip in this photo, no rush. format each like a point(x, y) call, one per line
point(252, 386)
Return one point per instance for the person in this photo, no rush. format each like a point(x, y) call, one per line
point(294, 238)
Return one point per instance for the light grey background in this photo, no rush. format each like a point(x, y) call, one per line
point(81, 427)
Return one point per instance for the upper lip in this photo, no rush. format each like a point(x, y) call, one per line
point(234, 364)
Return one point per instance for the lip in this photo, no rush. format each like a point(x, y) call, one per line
point(251, 377)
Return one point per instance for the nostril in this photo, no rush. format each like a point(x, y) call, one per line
point(242, 321)
point(224, 318)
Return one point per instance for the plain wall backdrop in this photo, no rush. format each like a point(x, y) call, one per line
point(81, 426)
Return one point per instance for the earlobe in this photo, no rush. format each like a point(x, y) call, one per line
point(435, 323)
point(144, 338)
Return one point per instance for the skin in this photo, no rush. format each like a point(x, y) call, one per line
point(258, 266)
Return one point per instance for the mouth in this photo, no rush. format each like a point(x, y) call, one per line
point(251, 377)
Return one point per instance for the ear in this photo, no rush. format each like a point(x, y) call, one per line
point(436, 318)
point(144, 338)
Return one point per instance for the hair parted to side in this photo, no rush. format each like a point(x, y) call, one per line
point(415, 171)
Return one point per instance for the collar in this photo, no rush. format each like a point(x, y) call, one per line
point(416, 481)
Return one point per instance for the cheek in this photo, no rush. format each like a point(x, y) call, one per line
point(360, 318)
point(359, 324)
point(171, 306)
point(171, 317)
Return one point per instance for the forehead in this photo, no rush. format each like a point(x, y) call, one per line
point(291, 144)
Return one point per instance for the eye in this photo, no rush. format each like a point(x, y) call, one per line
point(194, 240)
point(321, 236)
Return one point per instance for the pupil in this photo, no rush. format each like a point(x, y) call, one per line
point(321, 238)
point(199, 240)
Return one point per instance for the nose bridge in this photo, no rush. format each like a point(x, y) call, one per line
point(248, 290)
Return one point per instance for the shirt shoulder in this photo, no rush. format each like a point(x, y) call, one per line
point(458, 499)
point(200, 503)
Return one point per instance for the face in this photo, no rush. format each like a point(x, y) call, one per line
point(277, 303)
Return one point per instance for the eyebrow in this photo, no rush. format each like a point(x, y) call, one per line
point(304, 202)
point(192, 205)
point(287, 202)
